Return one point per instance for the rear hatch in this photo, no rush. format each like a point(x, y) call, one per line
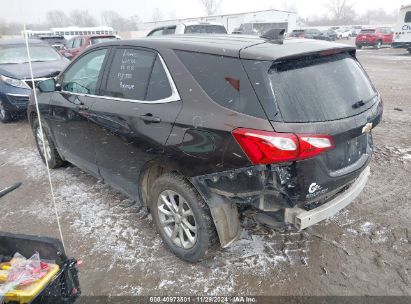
point(366, 35)
point(323, 94)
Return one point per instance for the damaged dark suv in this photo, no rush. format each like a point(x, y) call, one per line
point(199, 127)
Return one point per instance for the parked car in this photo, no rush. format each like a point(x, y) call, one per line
point(297, 33)
point(355, 30)
point(78, 44)
point(58, 42)
point(258, 28)
point(189, 28)
point(328, 35)
point(312, 34)
point(15, 78)
point(189, 126)
point(343, 33)
point(375, 37)
point(306, 33)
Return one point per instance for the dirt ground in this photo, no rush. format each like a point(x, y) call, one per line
point(364, 250)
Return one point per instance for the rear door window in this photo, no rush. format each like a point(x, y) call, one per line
point(129, 74)
point(320, 89)
point(224, 80)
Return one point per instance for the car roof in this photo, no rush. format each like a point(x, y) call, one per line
point(21, 41)
point(251, 47)
point(93, 36)
point(187, 23)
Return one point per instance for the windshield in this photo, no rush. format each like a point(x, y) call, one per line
point(320, 89)
point(367, 32)
point(205, 29)
point(13, 54)
point(94, 41)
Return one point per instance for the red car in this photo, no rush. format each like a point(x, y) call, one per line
point(78, 44)
point(374, 37)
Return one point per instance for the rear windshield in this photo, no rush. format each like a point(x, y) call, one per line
point(321, 89)
point(205, 29)
point(367, 32)
point(94, 41)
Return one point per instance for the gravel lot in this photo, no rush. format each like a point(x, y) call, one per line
point(364, 250)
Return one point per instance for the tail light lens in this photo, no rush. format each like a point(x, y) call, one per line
point(264, 147)
point(313, 144)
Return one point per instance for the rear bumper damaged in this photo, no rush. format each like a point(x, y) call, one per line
point(263, 187)
point(267, 188)
point(302, 219)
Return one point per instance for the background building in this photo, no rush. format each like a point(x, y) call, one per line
point(279, 19)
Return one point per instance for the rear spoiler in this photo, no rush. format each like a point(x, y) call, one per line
point(326, 52)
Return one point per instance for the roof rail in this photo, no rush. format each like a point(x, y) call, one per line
point(274, 35)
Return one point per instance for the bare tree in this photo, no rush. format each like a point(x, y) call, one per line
point(10, 28)
point(378, 16)
point(82, 18)
point(211, 7)
point(119, 23)
point(341, 10)
point(157, 15)
point(57, 18)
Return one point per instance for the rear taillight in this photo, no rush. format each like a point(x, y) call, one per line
point(314, 144)
point(264, 147)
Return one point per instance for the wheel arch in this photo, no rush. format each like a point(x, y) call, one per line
point(224, 213)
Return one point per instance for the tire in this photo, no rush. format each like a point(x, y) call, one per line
point(5, 116)
point(169, 193)
point(53, 157)
point(378, 45)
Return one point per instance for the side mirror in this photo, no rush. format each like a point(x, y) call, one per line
point(47, 86)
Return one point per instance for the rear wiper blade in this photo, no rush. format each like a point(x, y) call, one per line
point(361, 103)
point(358, 104)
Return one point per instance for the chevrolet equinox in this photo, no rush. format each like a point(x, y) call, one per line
point(197, 128)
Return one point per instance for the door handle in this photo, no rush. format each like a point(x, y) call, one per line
point(150, 118)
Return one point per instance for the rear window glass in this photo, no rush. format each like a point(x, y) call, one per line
point(97, 40)
point(205, 29)
point(320, 89)
point(224, 81)
point(367, 32)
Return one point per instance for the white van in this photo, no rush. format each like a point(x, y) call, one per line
point(402, 31)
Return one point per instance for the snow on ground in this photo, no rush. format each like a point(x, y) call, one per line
point(124, 232)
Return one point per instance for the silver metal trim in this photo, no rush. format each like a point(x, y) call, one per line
point(17, 95)
point(175, 96)
point(36, 79)
point(308, 218)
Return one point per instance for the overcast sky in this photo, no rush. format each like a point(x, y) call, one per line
point(34, 10)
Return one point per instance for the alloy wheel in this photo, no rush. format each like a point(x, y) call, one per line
point(177, 219)
point(43, 143)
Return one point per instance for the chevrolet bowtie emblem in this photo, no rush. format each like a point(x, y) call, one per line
point(367, 128)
